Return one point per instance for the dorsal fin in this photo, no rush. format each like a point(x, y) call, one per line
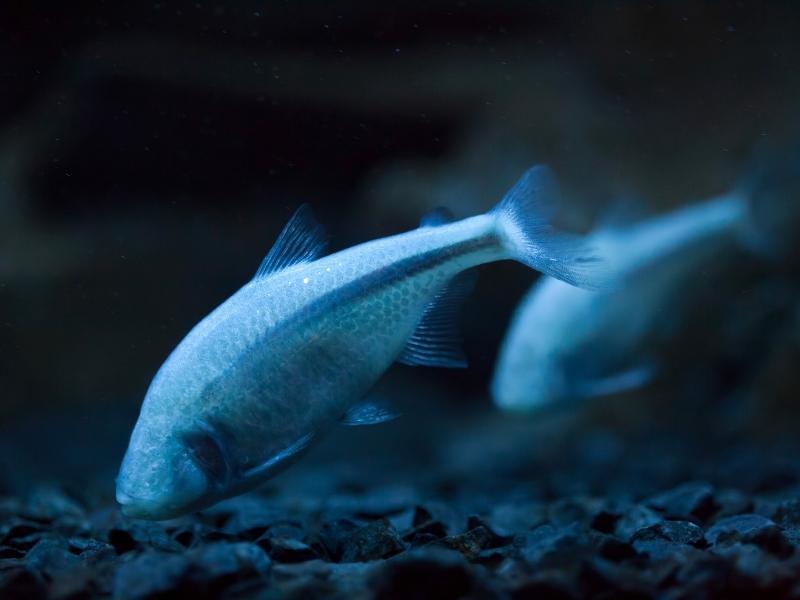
point(438, 216)
point(301, 241)
point(437, 340)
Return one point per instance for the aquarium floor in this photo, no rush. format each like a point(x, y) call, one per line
point(489, 514)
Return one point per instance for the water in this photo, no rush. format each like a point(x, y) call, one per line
point(149, 156)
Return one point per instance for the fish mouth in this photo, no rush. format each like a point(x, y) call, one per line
point(143, 508)
point(157, 510)
point(131, 506)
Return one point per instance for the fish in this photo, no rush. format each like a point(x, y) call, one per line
point(568, 344)
point(297, 349)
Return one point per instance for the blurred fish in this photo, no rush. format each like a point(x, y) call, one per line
point(297, 348)
point(568, 343)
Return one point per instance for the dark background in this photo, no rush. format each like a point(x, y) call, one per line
point(150, 153)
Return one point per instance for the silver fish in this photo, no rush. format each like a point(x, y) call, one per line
point(566, 343)
point(296, 349)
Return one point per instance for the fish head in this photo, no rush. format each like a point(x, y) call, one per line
point(170, 471)
point(177, 461)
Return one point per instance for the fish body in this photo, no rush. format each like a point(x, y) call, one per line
point(296, 349)
point(570, 343)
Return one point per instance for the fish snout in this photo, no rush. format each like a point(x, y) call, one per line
point(142, 508)
point(174, 489)
point(131, 506)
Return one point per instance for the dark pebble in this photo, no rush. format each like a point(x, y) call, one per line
point(544, 587)
point(496, 540)
point(787, 513)
point(602, 578)
point(573, 510)
point(51, 555)
point(692, 500)
point(661, 549)
point(431, 574)
point(91, 549)
point(422, 539)
point(678, 532)
point(760, 570)
point(202, 571)
point(20, 581)
point(251, 524)
point(49, 504)
point(130, 535)
point(510, 518)
point(605, 521)
point(731, 502)
point(575, 547)
point(712, 576)
point(319, 579)
point(611, 547)
point(430, 529)
point(470, 543)
point(635, 518)
point(403, 521)
point(334, 534)
point(122, 541)
point(9, 552)
point(291, 531)
point(191, 533)
point(287, 550)
point(23, 534)
point(734, 528)
point(149, 574)
point(441, 514)
point(549, 546)
point(752, 529)
point(375, 540)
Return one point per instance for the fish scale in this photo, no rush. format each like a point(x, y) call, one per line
point(297, 348)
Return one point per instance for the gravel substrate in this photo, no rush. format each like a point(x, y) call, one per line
point(693, 540)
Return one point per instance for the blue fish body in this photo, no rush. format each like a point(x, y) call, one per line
point(567, 343)
point(296, 349)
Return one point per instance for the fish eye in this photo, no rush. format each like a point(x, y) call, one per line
point(207, 452)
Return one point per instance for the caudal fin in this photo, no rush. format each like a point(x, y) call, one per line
point(523, 218)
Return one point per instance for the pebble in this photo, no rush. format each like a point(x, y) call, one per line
point(378, 539)
point(689, 538)
point(691, 500)
point(678, 532)
point(196, 572)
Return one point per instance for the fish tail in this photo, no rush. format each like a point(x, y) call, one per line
point(523, 222)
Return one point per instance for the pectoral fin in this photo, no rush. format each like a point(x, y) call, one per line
point(437, 340)
point(616, 383)
point(368, 413)
point(281, 459)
